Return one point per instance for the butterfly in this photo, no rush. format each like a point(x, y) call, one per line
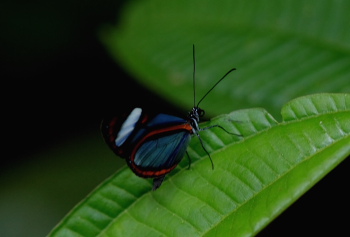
point(154, 144)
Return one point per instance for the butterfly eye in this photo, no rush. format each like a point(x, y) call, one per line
point(201, 112)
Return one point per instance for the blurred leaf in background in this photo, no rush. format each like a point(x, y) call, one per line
point(281, 49)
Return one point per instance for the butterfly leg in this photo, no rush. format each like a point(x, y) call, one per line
point(189, 161)
point(218, 126)
point(213, 126)
point(157, 182)
point(211, 160)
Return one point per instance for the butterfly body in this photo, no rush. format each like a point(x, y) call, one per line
point(152, 145)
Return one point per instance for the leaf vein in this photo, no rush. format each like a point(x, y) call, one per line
point(143, 223)
point(176, 214)
point(218, 188)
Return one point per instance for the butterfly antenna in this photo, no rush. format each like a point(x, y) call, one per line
point(215, 85)
point(194, 78)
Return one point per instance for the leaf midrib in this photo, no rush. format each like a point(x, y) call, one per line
point(227, 146)
point(307, 158)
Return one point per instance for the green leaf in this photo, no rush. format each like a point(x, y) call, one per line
point(256, 176)
point(281, 49)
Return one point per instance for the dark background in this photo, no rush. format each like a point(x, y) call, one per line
point(58, 81)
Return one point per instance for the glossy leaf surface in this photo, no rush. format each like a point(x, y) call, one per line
point(255, 178)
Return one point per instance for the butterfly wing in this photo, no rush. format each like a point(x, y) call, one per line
point(118, 130)
point(160, 153)
point(152, 145)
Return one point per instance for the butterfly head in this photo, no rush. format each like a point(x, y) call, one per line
point(196, 113)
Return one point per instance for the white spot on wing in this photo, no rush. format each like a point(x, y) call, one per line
point(128, 126)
